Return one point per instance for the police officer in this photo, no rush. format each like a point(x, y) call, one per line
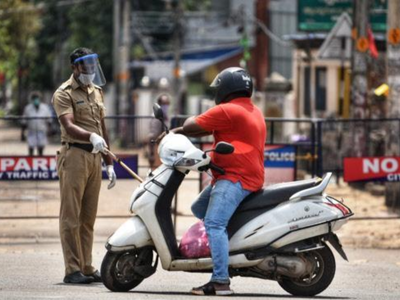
point(79, 106)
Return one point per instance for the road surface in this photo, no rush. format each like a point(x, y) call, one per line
point(35, 271)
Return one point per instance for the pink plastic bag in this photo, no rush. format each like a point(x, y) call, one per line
point(194, 243)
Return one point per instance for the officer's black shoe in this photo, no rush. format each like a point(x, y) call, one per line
point(97, 277)
point(78, 278)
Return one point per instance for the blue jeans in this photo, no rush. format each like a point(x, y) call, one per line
point(216, 205)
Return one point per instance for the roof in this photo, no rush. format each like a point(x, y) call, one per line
point(192, 61)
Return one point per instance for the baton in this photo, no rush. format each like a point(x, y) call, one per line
point(129, 170)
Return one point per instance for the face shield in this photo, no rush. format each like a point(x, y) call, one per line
point(90, 70)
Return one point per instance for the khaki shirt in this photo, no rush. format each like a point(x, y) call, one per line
point(87, 106)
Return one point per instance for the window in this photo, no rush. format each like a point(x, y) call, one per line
point(307, 92)
point(320, 89)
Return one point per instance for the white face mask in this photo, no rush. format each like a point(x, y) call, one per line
point(86, 79)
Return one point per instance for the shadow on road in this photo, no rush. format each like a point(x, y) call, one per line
point(242, 295)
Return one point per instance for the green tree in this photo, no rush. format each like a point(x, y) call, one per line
point(18, 25)
point(66, 27)
point(91, 26)
point(49, 42)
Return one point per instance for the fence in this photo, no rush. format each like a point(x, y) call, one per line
point(277, 128)
point(320, 146)
point(337, 139)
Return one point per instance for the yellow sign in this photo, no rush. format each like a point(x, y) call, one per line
point(394, 36)
point(383, 89)
point(344, 94)
point(362, 44)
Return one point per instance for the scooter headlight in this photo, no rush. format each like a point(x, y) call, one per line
point(169, 157)
point(187, 162)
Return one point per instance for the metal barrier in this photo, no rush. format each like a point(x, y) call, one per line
point(277, 134)
point(124, 130)
point(321, 144)
point(337, 139)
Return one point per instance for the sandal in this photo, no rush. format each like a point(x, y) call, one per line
point(212, 288)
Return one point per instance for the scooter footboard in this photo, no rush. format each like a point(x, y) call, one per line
point(130, 235)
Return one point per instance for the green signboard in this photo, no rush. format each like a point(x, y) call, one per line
point(321, 15)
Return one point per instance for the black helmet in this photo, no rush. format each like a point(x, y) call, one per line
point(232, 83)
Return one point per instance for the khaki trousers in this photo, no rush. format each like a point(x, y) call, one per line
point(80, 179)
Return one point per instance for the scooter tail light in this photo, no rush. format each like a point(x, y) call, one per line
point(345, 211)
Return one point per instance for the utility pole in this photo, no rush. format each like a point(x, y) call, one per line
point(121, 50)
point(261, 49)
point(124, 53)
point(359, 84)
point(116, 68)
point(177, 80)
point(393, 100)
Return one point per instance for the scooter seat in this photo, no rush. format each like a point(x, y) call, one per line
point(275, 194)
point(259, 202)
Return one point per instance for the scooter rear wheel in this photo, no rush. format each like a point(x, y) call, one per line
point(118, 269)
point(322, 276)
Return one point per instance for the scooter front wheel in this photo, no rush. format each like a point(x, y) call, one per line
point(121, 271)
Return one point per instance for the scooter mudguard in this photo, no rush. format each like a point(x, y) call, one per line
point(132, 234)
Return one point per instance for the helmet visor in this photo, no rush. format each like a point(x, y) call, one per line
point(216, 82)
point(90, 65)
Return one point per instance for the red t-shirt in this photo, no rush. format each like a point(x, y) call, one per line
point(240, 123)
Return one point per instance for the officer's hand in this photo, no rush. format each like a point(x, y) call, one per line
point(111, 176)
point(99, 144)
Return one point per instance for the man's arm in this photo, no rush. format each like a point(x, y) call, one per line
point(73, 130)
point(77, 132)
point(190, 128)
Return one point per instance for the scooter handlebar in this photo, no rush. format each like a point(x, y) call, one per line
point(216, 168)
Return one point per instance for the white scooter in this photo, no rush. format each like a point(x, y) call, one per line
point(279, 233)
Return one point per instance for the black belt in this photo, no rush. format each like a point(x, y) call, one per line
point(86, 147)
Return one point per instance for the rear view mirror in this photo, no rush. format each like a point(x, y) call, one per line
point(158, 113)
point(224, 148)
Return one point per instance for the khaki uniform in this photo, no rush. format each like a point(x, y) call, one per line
point(80, 174)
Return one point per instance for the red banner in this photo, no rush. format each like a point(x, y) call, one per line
point(371, 169)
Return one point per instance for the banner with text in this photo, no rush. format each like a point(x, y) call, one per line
point(371, 169)
point(45, 167)
point(279, 163)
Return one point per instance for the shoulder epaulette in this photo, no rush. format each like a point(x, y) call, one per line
point(65, 86)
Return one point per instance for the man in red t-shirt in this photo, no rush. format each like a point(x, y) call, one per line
point(236, 120)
